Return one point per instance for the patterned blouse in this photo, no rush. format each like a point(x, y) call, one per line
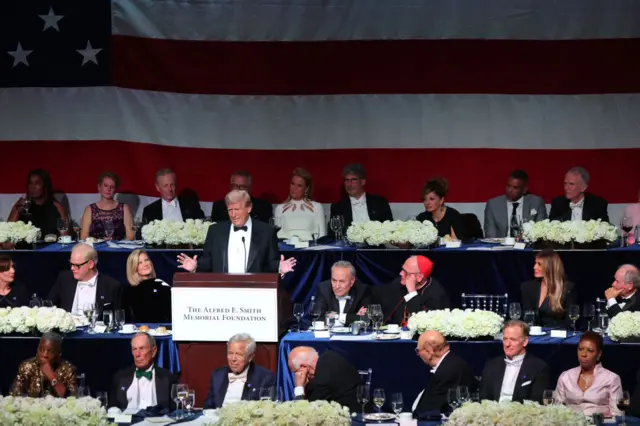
point(31, 382)
point(115, 217)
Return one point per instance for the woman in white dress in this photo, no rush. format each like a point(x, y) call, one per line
point(299, 216)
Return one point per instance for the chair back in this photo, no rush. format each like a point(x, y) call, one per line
point(498, 303)
point(471, 227)
point(365, 376)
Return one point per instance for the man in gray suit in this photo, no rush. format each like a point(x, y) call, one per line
point(503, 214)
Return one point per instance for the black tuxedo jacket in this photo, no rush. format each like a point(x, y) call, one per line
point(257, 377)
point(532, 380)
point(335, 380)
point(377, 207)
point(263, 253)
point(530, 298)
point(391, 297)
point(360, 296)
point(630, 305)
point(124, 378)
point(260, 209)
point(453, 371)
point(108, 291)
point(189, 208)
point(594, 208)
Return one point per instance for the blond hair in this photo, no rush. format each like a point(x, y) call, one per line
point(132, 267)
point(238, 196)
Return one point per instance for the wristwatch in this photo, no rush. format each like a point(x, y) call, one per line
point(54, 382)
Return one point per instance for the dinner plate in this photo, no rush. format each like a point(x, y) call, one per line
point(127, 332)
point(388, 336)
point(341, 330)
point(492, 240)
point(153, 332)
point(392, 332)
point(379, 416)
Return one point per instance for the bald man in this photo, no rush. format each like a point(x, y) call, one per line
point(415, 290)
point(326, 377)
point(82, 284)
point(448, 370)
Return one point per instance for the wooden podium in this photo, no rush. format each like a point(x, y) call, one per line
point(199, 359)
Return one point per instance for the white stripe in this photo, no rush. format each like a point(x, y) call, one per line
point(76, 204)
point(317, 20)
point(321, 122)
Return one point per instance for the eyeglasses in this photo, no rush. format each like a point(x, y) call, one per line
point(78, 265)
point(239, 187)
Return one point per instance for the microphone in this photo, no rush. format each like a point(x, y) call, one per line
point(245, 254)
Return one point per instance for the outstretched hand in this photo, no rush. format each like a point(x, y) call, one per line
point(286, 265)
point(187, 263)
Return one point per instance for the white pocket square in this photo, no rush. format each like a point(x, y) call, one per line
point(526, 383)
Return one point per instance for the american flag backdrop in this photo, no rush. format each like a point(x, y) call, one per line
point(468, 90)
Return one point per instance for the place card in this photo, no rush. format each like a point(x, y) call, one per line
point(519, 246)
point(322, 334)
point(122, 418)
point(100, 328)
point(560, 334)
point(301, 244)
point(453, 244)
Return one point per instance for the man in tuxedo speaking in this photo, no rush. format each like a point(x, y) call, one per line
point(238, 246)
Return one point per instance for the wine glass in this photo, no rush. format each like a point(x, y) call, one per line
point(463, 395)
point(179, 393)
point(397, 404)
point(26, 205)
point(83, 391)
point(515, 311)
point(75, 223)
point(109, 229)
point(314, 310)
point(107, 318)
point(362, 393)
point(623, 402)
point(574, 314)
point(453, 396)
point(588, 312)
point(298, 312)
point(62, 226)
point(47, 303)
point(378, 398)
point(316, 234)
point(135, 225)
point(334, 224)
point(190, 402)
point(547, 397)
point(87, 310)
point(267, 394)
point(530, 317)
point(103, 397)
point(375, 312)
point(119, 318)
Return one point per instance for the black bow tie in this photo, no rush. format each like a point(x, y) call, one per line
point(621, 299)
point(240, 228)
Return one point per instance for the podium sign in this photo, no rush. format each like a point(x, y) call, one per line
point(214, 307)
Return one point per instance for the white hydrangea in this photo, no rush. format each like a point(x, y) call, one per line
point(492, 413)
point(580, 231)
point(16, 232)
point(624, 325)
point(267, 413)
point(25, 319)
point(376, 233)
point(172, 232)
point(52, 411)
point(457, 323)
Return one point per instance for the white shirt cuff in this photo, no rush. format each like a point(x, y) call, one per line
point(298, 391)
point(611, 302)
point(410, 296)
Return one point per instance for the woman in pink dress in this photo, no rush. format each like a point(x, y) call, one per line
point(590, 388)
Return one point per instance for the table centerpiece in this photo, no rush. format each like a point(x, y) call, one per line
point(25, 320)
point(267, 413)
point(468, 324)
point(397, 233)
point(172, 234)
point(576, 234)
point(50, 411)
point(488, 413)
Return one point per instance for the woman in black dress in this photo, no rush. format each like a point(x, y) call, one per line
point(148, 298)
point(12, 294)
point(446, 219)
point(550, 294)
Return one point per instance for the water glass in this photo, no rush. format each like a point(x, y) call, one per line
point(515, 311)
point(190, 402)
point(83, 391)
point(362, 394)
point(530, 317)
point(547, 397)
point(109, 229)
point(330, 319)
point(107, 318)
point(298, 312)
point(268, 394)
point(379, 398)
point(603, 323)
point(397, 403)
point(453, 397)
point(119, 318)
point(63, 228)
point(103, 397)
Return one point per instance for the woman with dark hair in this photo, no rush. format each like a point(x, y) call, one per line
point(12, 294)
point(590, 388)
point(39, 206)
point(445, 218)
point(549, 294)
point(107, 218)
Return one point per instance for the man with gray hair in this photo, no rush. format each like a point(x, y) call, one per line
point(241, 180)
point(82, 285)
point(241, 379)
point(576, 203)
point(622, 295)
point(343, 295)
point(171, 206)
point(356, 205)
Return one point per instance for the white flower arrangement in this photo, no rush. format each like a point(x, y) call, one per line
point(16, 232)
point(172, 232)
point(51, 411)
point(579, 231)
point(625, 325)
point(267, 413)
point(467, 324)
point(489, 413)
point(378, 233)
point(25, 319)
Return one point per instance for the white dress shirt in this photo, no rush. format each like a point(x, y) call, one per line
point(238, 252)
point(434, 369)
point(576, 209)
point(236, 387)
point(519, 210)
point(171, 210)
point(342, 316)
point(142, 392)
point(611, 302)
point(512, 369)
point(85, 293)
point(359, 209)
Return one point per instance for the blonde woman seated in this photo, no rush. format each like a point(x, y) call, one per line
point(590, 388)
point(107, 218)
point(147, 298)
point(300, 216)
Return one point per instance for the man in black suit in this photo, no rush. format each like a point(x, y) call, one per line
point(520, 375)
point(326, 377)
point(622, 295)
point(356, 206)
point(169, 206)
point(240, 246)
point(448, 370)
point(241, 181)
point(343, 295)
point(241, 380)
point(144, 384)
point(577, 204)
point(416, 290)
point(83, 284)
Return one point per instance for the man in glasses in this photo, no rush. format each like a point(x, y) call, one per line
point(83, 285)
point(241, 180)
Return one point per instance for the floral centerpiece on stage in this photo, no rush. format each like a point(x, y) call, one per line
point(267, 413)
point(397, 232)
point(467, 324)
point(26, 320)
point(625, 326)
point(169, 232)
point(52, 411)
point(17, 232)
point(569, 232)
point(488, 413)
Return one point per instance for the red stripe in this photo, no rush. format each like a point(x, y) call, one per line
point(359, 67)
point(474, 175)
